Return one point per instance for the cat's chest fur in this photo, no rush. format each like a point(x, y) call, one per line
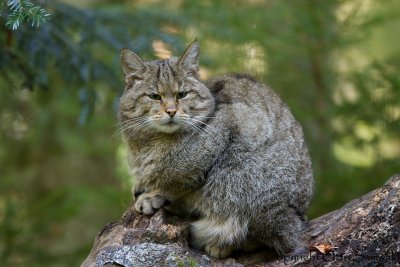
point(153, 157)
point(177, 160)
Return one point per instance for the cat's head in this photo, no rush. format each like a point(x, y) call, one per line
point(164, 96)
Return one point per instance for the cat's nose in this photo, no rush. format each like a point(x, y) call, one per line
point(171, 112)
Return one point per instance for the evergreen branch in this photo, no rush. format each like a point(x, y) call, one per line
point(25, 10)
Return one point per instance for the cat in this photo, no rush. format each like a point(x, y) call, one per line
point(227, 150)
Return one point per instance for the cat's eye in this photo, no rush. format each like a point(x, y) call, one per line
point(155, 96)
point(181, 95)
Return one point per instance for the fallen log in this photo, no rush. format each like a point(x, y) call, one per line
point(364, 232)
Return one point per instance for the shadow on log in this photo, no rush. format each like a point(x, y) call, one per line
point(365, 232)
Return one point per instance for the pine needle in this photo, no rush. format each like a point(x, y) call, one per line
point(25, 10)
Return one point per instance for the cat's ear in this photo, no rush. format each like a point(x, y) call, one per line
point(132, 65)
point(189, 61)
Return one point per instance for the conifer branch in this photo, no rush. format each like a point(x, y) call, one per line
point(25, 10)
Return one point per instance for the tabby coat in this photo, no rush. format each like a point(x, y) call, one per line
point(228, 150)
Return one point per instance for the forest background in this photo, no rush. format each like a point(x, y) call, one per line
point(63, 171)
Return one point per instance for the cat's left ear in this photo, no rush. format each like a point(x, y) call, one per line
point(189, 61)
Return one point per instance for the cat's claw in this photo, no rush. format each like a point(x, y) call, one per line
point(149, 203)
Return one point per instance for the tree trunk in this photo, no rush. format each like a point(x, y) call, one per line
point(365, 232)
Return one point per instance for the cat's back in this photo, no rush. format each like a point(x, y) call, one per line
point(234, 88)
point(252, 107)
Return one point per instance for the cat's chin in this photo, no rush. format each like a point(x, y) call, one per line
point(169, 128)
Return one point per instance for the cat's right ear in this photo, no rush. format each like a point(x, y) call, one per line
point(133, 67)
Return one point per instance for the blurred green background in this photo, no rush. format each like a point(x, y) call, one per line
point(63, 172)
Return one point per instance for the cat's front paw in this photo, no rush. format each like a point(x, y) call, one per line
point(218, 252)
point(149, 203)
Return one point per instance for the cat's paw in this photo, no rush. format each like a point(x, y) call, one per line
point(218, 252)
point(149, 203)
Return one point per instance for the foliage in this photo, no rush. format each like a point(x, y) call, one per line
point(62, 171)
point(24, 10)
point(58, 167)
point(306, 48)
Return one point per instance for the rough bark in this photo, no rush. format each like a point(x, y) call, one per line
point(364, 232)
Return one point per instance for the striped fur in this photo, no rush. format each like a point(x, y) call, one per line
point(232, 153)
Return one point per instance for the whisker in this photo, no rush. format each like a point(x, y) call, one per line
point(129, 120)
point(139, 127)
point(195, 125)
point(207, 128)
point(122, 129)
point(201, 116)
point(128, 123)
point(205, 124)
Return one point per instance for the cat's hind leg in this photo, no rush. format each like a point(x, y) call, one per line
point(285, 235)
point(217, 236)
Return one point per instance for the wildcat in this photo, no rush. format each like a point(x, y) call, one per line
point(228, 150)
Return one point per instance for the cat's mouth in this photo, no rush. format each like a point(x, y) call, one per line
point(170, 121)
